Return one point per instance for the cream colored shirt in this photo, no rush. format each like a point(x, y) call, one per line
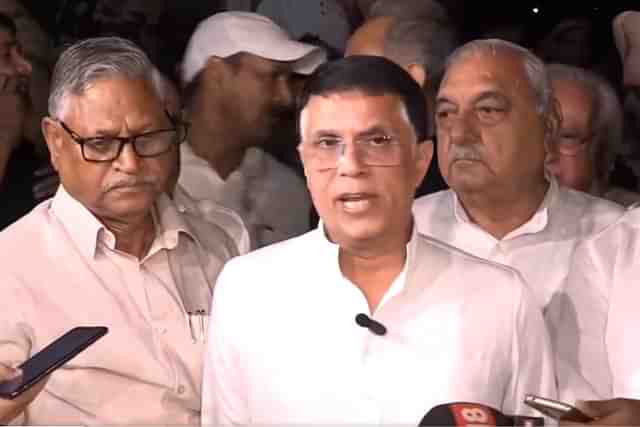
point(270, 198)
point(287, 350)
point(59, 269)
point(540, 248)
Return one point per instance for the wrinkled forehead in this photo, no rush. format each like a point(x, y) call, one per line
point(113, 99)
point(491, 69)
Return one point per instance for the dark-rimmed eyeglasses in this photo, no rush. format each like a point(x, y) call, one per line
point(149, 144)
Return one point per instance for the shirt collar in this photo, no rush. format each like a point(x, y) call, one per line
point(87, 232)
point(538, 221)
point(171, 224)
point(331, 251)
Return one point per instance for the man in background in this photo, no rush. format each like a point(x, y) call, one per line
point(418, 36)
point(237, 75)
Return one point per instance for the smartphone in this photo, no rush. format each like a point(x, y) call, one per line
point(51, 358)
point(556, 410)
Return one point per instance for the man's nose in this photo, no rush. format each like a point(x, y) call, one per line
point(463, 129)
point(350, 161)
point(128, 160)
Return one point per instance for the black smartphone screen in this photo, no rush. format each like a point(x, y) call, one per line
point(50, 358)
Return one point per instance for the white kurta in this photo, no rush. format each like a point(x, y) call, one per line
point(597, 333)
point(540, 249)
point(270, 198)
point(286, 349)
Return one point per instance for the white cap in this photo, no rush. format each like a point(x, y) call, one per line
point(626, 33)
point(227, 33)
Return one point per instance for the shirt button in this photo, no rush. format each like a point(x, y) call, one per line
point(181, 389)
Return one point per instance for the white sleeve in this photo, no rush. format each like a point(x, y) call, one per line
point(224, 398)
point(580, 325)
point(532, 358)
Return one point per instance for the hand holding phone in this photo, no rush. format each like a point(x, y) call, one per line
point(557, 410)
point(49, 359)
point(9, 409)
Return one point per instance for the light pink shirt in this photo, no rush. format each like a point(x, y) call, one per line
point(59, 269)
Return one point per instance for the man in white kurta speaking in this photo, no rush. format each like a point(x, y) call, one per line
point(438, 325)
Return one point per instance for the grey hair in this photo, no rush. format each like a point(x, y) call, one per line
point(420, 33)
point(534, 67)
point(97, 58)
point(409, 9)
point(607, 114)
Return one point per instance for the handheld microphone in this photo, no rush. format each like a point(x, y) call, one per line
point(367, 322)
point(465, 414)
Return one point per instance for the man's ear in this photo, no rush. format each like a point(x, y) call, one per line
point(419, 74)
point(552, 124)
point(53, 136)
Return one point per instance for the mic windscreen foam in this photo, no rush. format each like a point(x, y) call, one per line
point(465, 414)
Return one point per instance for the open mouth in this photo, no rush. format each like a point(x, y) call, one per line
point(356, 202)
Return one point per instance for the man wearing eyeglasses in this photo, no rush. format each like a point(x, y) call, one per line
point(110, 248)
point(364, 321)
point(496, 118)
point(583, 153)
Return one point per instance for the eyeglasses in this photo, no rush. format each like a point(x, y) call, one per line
point(326, 153)
point(571, 145)
point(149, 144)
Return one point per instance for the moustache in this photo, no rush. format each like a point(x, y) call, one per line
point(130, 182)
point(464, 152)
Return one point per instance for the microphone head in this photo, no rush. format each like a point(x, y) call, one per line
point(465, 414)
point(363, 320)
point(373, 325)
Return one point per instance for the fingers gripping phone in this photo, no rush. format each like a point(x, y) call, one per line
point(557, 410)
point(51, 358)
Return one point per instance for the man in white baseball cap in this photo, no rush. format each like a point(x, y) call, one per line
point(238, 80)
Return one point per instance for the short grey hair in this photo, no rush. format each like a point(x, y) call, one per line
point(535, 68)
point(607, 114)
point(420, 33)
point(94, 59)
point(409, 9)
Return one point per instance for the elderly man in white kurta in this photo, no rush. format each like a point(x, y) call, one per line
point(111, 249)
point(494, 119)
point(439, 325)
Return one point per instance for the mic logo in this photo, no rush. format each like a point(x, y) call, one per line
point(469, 415)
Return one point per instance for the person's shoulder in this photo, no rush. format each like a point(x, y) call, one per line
point(275, 167)
point(29, 225)
point(213, 222)
point(287, 253)
point(466, 262)
point(593, 206)
point(471, 276)
point(430, 201)
point(27, 235)
point(622, 235)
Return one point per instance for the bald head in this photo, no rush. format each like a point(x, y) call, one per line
point(370, 38)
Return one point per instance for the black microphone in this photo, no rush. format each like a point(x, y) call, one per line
point(466, 414)
point(372, 325)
